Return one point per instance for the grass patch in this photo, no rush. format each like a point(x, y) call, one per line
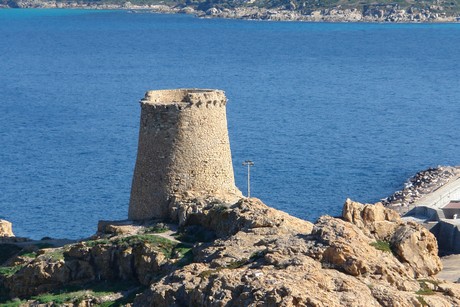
point(128, 289)
point(383, 246)
point(12, 303)
point(27, 254)
point(169, 248)
point(54, 255)
point(60, 298)
point(194, 234)
point(10, 270)
point(158, 228)
point(164, 245)
point(184, 253)
point(424, 289)
point(93, 243)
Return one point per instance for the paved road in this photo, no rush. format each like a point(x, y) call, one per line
point(451, 269)
point(442, 196)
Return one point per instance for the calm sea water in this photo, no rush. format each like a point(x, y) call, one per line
point(326, 111)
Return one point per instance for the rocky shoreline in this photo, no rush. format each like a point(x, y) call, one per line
point(380, 13)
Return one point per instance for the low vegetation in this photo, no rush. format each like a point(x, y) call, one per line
point(383, 246)
point(425, 289)
point(114, 293)
point(236, 264)
point(194, 234)
point(9, 270)
point(158, 228)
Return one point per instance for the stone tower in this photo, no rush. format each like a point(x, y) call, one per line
point(183, 147)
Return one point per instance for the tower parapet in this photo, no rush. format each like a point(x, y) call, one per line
point(183, 147)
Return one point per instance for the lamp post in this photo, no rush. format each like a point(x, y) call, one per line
point(249, 163)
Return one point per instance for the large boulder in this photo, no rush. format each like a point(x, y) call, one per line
point(417, 247)
point(227, 219)
point(414, 245)
point(373, 219)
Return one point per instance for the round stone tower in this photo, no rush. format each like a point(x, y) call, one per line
point(183, 147)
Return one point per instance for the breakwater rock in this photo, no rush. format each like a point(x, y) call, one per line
point(239, 254)
point(421, 184)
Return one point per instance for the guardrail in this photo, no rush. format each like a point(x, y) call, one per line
point(445, 198)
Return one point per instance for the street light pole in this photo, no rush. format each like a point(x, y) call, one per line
point(249, 163)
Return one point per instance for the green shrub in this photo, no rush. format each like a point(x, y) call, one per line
point(10, 270)
point(424, 289)
point(158, 228)
point(382, 246)
point(12, 303)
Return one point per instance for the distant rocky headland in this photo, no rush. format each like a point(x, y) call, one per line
point(192, 239)
point(293, 10)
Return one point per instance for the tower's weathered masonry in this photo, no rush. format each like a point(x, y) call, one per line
point(183, 147)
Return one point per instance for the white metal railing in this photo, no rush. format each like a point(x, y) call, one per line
point(446, 198)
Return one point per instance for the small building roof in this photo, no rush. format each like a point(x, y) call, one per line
point(454, 204)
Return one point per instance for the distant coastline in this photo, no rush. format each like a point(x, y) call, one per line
point(379, 13)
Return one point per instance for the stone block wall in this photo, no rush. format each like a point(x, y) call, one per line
point(183, 147)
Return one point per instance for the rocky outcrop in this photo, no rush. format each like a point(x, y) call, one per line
point(414, 245)
point(336, 264)
point(257, 256)
point(6, 229)
point(227, 219)
point(139, 258)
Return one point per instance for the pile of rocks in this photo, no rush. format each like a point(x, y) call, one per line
point(423, 183)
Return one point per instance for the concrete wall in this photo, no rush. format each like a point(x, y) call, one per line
point(428, 213)
point(448, 235)
point(183, 146)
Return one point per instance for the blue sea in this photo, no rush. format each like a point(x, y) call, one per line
point(325, 110)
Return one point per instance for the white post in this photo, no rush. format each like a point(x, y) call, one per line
point(249, 163)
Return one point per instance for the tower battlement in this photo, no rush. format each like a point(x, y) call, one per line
point(181, 98)
point(183, 147)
